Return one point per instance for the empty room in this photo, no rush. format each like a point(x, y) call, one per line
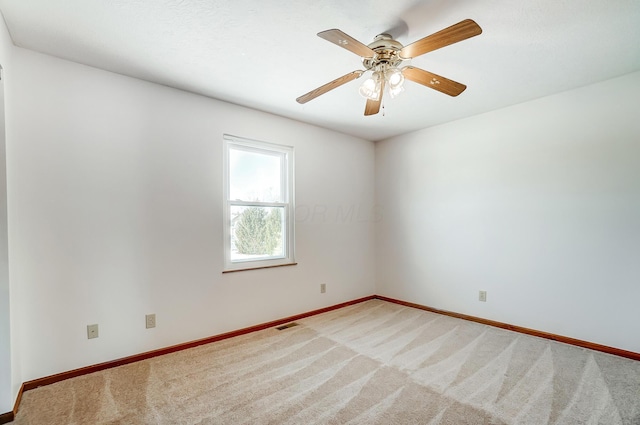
point(319, 212)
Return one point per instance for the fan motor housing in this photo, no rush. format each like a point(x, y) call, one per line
point(387, 52)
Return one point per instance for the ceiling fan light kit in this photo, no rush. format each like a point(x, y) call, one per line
point(370, 89)
point(383, 58)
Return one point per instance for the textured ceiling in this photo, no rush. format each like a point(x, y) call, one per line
point(264, 54)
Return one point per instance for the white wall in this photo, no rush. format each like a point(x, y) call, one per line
point(538, 204)
point(114, 206)
point(115, 190)
point(6, 400)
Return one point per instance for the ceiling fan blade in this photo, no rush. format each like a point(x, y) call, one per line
point(433, 81)
point(373, 106)
point(458, 32)
point(347, 42)
point(329, 86)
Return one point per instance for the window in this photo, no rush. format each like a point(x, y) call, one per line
point(258, 190)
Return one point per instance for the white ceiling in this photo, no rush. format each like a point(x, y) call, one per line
point(265, 53)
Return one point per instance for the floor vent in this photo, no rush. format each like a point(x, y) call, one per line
point(287, 326)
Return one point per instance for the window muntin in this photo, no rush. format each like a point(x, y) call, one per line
point(259, 221)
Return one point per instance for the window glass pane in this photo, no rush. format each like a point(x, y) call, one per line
point(257, 232)
point(254, 176)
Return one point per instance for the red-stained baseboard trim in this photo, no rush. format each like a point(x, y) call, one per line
point(9, 416)
point(162, 351)
point(6, 417)
point(572, 341)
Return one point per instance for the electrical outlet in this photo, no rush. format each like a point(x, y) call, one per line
point(150, 320)
point(323, 288)
point(92, 331)
point(483, 296)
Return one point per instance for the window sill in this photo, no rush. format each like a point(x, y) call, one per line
point(258, 268)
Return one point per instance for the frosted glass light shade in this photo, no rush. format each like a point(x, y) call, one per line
point(395, 79)
point(394, 91)
point(370, 89)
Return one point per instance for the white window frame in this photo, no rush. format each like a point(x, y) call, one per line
point(287, 190)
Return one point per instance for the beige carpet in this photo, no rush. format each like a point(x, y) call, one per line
point(371, 363)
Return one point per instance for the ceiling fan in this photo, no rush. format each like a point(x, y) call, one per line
point(384, 56)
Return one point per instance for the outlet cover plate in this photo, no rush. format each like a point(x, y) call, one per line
point(92, 331)
point(483, 296)
point(150, 320)
point(323, 288)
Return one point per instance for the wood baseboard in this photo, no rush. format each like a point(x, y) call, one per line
point(572, 341)
point(162, 351)
point(6, 417)
point(9, 416)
